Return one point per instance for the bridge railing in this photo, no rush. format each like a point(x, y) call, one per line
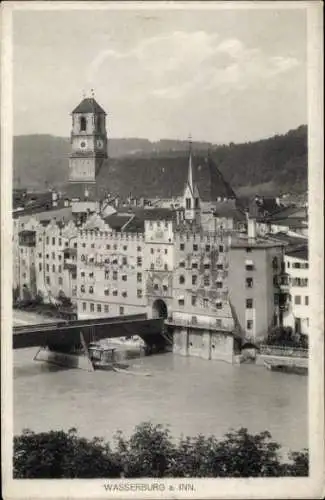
point(291, 352)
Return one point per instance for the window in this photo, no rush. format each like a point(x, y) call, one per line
point(40, 255)
point(152, 266)
point(182, 263)
point(206, 281)
point(181, 280)
point(91, 289)
point(188, 203)
point(99, 308)
point(124, 277)
point(248, 249)
point(139, 294)
point(48, 268)
point(53, 268)
point(82, 274)
point(156, 286)
point(60, 257)
point(195, 247)
point(92, 245)
point(193, 302)
point(194, 265)
point(60, 241)
point(106, 292)
point(297, 300)
point(151, 250)
point(60, 281)
point(181, 246)
point(91, 275)
point(205, 303)
point(108, 247)
point(249, 303)
point(139, 277)
point(115, 246)
point(92, 307)
point(47, 240)
point(249, 324)
point(220, 248)
point(219, 284)
point(194, 320)
point(296, 265)
point(124, 261)
point(53, 241)
point(53, 255)
point(125, 248)
point(220, 267)
point(207, 248)
point(166, 267)
point(106, 308)
point(166, 251)
point(47, 280)
point(24, 275)
point(40, 266)
point(218, 323)
point(275, 281)
point(194, 280)
point(206, 265)
point(288, 264)
point(249, 282)
point(249, 267)
point(139, 249)
point(82, 289)
point(165, 288)
point(219, 304)
point(139, 261)
point(83, 124)
point(306, 300)
point(84, 306)
point(196, 203)
point(275, 263)
point(114, 275)
point(66, 244)
point(115, 292)
point(121, 310)
point(181, 302)
point(47, 256)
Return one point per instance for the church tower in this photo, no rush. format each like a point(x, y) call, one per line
point(88, 141)
point(191, 197)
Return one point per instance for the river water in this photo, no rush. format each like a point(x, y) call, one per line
point(191, 395)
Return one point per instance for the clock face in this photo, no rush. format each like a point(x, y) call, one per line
point(100, 144)
point(83, 144)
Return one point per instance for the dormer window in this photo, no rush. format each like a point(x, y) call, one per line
point(83, 124)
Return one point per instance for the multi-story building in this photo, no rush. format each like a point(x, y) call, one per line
point(255, 270)
point(296, 313)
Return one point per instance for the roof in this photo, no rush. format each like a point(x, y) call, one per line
point(88, 105)
point(61, 214)
point(299, 253)
point(117, 221)
point(161, 177)
point(243, 241)
point(229, 211)
point(290, 222)
point(76, 190)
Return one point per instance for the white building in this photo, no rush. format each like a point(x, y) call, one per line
point(297, 310)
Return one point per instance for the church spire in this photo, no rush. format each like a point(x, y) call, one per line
point(190, 167)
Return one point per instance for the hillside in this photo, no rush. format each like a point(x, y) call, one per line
point(269, 166)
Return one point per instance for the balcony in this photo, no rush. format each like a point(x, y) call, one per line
point(70, 265)
point(292, 352)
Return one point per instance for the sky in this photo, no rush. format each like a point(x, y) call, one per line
point(223, 76)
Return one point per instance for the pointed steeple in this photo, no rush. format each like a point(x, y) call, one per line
point(190, 167)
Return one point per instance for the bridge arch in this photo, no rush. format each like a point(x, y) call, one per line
point(159, 309)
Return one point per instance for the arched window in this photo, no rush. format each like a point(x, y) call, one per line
point(83, 124)
point(181, 279)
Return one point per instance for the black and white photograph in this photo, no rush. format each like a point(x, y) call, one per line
point(162, 290)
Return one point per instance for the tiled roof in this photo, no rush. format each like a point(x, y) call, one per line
point(88, 105)
point(299, 253)
point(161, 177)
point(117, 221)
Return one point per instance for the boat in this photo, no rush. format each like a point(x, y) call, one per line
point(276, 367)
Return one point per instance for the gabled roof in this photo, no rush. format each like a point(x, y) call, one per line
point(88, 105)
point(299, 252)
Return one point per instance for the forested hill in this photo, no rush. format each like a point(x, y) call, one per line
point(270, 166)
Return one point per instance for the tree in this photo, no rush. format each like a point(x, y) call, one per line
point(57, 454)
point(151, 452)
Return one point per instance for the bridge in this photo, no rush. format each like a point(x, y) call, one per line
point(75, 335)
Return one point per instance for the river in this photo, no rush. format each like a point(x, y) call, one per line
point(189, 394)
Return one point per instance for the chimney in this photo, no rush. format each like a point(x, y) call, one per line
point(251, 226)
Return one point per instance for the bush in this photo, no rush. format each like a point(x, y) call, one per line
point(151, 452)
